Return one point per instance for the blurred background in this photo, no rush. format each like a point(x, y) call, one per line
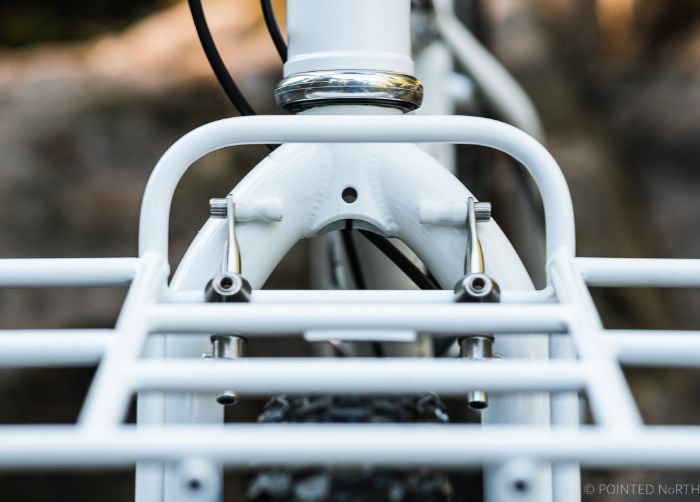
point(92, 93)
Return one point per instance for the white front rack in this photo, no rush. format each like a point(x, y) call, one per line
point(100, 438)
point(588, 358)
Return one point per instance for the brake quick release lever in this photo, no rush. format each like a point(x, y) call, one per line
point(228, 286)
point(476, 286)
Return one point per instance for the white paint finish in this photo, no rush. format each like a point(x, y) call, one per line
point(296, 318)
point(58, 347)
point(640, 272)
point(565, 412)
point(269, 209)
point(74, 272)
point(53, 347)
point(349, 35)
point(390, 445)
point(199, 264)
point(109, 394)
point(503, 264)
point(313, 129)
point(358, 376)
point(636, 445)
point(365, 335)
point(656, 348)
point(607, 383)
point(260, 296)
point(391, 180)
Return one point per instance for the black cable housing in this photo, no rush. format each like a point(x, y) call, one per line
point(423, 281)
point(274, 29)
point(353, 257)
point(356, 272)
point(225, 79)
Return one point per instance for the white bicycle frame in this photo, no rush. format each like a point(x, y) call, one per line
point(552, 341)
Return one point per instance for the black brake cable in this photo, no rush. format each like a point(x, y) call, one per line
point(415, 274)
point(352, 256)
point(420, 279)
point(274, 29)
point(217, 64)
point(224, 77)
point(356, 272)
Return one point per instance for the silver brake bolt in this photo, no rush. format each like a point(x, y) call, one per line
point(226, 287)
point(477, 288)
point(477, 348)
point(227, 347)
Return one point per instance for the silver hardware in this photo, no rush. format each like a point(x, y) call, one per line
point(227, 347)
point(225, 208)
point(473, 262)
point(478, 348)
point(233, 257)
point(482, 210)
point(320, 88)
point(227, 287)
point(217, 208)
point(477, 288)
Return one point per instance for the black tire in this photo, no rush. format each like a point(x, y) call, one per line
point(346, 485)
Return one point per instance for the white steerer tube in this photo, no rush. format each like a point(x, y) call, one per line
point(349, 35)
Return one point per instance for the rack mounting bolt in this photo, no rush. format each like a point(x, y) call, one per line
point(227, 287)
point(477, 288)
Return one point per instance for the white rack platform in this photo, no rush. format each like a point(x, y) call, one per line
point(99, 438)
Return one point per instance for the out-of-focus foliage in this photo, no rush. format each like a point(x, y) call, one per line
point(24, 22)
